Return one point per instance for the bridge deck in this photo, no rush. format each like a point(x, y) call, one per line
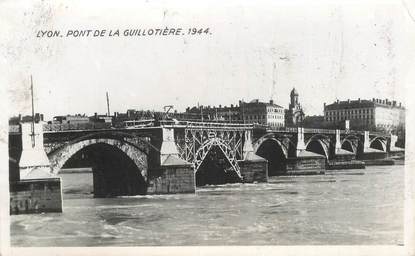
point(151, 124)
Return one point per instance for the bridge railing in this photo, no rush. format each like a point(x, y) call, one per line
point(15, 129)
point(306, 130)
point(222, 125)
point(317, 130)
point(78, 126)
point(323, 131)
point(193, 124)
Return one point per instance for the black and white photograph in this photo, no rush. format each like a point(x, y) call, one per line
point(207, 127)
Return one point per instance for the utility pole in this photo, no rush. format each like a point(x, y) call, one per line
point(274, 78)
point(108, 105)
point(243, 110)
point(33, 114)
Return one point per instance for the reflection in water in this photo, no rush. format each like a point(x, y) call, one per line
point(336, 208)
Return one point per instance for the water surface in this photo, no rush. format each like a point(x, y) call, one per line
point(349, 207)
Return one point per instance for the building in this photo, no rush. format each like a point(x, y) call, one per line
point(375, 114)
point(15, 120)
point(100, 118)
point(266, 113)
point(207, 113)
point(294, 115)
point(254, 112)
point(228, 114)
point(70, 119)
point(316, 121)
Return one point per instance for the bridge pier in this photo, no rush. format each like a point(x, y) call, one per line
point(174, 175)
point(343, 159)
point(341, 154)
point(37, 189)
point(253, 167)
point(371, 153)
point(304, 162)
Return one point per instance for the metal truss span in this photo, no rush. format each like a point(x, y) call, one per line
point(227, 151)
point(199, 140)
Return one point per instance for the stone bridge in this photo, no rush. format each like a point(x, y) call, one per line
point(293, 150)
point(172, 157)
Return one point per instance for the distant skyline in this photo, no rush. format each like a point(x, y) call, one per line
point(327, 50)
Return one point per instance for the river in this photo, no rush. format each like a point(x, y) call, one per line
point(345, 207)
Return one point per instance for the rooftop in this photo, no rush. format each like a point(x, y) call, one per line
point(361, 103)
point(257, 102)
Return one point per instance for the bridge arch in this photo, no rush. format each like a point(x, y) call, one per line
point(118, 167)
point(378, 143)
point(283, 142)
point(351, 143)
point(275, 152)
point(348, 145)
point(212, 162)
point(61, 155)
point(319, 144)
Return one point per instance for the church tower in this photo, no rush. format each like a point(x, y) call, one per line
point(294, 98)
point(295, 114)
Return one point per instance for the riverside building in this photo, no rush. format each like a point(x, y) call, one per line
point(266, 113)
point(375, 114)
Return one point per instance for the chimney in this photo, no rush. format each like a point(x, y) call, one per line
point(394, 103)
point(271, 102)
point(359, 100)
point(348, 100)
point(220, 106)
point(400, 104)
point(337, 101)
point(231, 105)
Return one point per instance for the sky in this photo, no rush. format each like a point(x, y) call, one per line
point(327, 50)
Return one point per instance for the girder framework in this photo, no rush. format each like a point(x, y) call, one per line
point(197, 142)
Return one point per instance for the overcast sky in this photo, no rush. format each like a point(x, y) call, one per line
point(327, 50)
